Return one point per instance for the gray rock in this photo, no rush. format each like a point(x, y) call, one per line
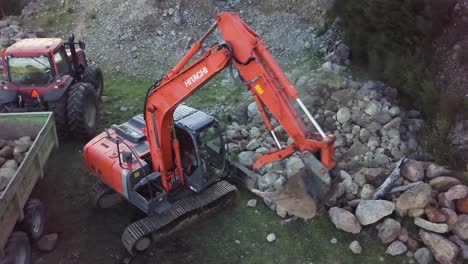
point(394, 111)
point(444, 250)
point(364, 135)
point(252, 203)
point(451, 217)
point(373, 107)
point(343, 97)
point(293, 166)
point(414, 198)
point(281, 212)
point(48, 242)
point(6, 174)
point(461, 244)
point(6, 152)
point(334, 68)
point(11, 164)
point(357, 149)
point(359, 179)
point(252, 109)
point(344, 220)
point(461, 227)
point(367, 192)
point(413, 171)
point(271, 237)
point(373, 127)
point(371, 211)
point(343, 115)
point(415, 212)
point(248, 158)
point(394, 123)
point(355, 247)
point(23, 144)
point(253, 145)
point(279, 183)
point(396, 248)
point(333, 240)
point(443, 184)
point(434, 170)
point(423, 255)
point(389, 230)
point(267, 181)
point(382, 117)
point(434, 227)
point(456, 192)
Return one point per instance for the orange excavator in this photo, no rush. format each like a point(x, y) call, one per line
point(170, 161)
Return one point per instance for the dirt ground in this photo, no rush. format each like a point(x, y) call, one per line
point(88, 235)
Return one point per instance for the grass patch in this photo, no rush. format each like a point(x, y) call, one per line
point(55, 17)
point(297, 242)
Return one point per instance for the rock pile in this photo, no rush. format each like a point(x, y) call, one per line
point(12, 154)
point(429, 218)
point(11, 29)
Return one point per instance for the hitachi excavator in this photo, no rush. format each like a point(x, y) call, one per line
point(170, 161)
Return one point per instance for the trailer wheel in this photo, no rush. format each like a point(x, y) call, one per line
point(82, 110)
point(33, 223)
point(17, 250)
point(93, 75)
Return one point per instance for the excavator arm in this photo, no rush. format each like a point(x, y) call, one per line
point(272, 91)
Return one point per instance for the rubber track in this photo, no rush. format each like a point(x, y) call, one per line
point(151, 224)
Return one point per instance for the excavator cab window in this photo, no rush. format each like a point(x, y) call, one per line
point(188, 154)
point(212, 154)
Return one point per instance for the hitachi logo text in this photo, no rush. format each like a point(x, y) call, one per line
point(196, 76)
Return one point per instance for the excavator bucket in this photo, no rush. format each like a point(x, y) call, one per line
point(303, 193)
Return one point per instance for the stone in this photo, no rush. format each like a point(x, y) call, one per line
point(396, 248)
point(355, 247)
point(248, 158)
point(461, 244)
point(373, 127)
point(342, 96)
point(364, 135)
point(389, 230)
point(271, 237)
point(359, 179)
point(252, 203)
point(367, 192)
point(371, 173)
point(333, 240)
point(6, 152)
point(462, 205)
point(438, 228)
point(373, 107)
point(237, 242)
point(414, 198)
point(394, 111)
point(415, 212)
point(461, 227)
point(371, 211)
point(393, 124)
point(444, 250)
point(344, 220)
point(2, 161)
point(413, 171)
point(456, 192)
point(434, 215)
point(6, 174)
point(443, 183)
point(412, 244)
point(451, 217)
point(48, 242)
point(281, 212)
point(253, 145)
point(423, 255)
point(434, 170)
point(10, 164)
point(267, 181)
point(23, 144)
point(343, 115)
point(293, 166)
point(403, 236)
point(443, 202)
point(252, 110)
point(279, 183)
point(357, 149)
point(382, 117)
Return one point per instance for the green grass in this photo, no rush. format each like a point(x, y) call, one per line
point(55, 17)
point(297, 242)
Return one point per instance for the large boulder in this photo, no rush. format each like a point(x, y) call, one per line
point(371, 211)
point(443, 249)
point(417, 197)
point(413, 171)
point(344, 220)
point(461, 227)
point(443, 183)
point(389, 230)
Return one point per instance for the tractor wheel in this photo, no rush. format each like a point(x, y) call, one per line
point(82, 110)
point(17, 250)
point(94, 76)
point(60, 115)
point(33, 223)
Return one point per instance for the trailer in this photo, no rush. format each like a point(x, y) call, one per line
point(22, 217)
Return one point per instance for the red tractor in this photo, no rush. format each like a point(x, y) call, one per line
point(48, 74)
